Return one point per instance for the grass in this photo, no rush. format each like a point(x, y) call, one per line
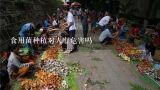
point(16, 86)
point(71, 79)
point(60, 56)
point(137, 87)
point(75, 67)
point(74, 64)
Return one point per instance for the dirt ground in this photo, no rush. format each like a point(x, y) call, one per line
point(105, 70)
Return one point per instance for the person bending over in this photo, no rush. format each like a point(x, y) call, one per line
point(106, 36)
point(15, 68)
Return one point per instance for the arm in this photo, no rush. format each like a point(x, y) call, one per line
point(49, 17)
point(52, 30)
point(115, 34)
point(70, 24)
point(17, 63)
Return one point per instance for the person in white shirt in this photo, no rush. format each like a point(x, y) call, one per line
point(106, 36)
point(71, 23)
point(72, 29)
point(104, 21)
point(15, 68)
point(55, 21)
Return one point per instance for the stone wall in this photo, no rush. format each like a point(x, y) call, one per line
point(12, 16)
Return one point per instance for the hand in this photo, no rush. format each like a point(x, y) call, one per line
point(66, 28)
point(31, 63)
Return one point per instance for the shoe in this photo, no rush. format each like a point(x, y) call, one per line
point(104, 45)
point(67, 52)
point(20, 79)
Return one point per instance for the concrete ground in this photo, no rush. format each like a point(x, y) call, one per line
point(105, 70)
point(104, 66)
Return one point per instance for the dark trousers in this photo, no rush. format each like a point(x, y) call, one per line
point(150, 49)
point(85, 30)
point(102, 27)
point(72, 33)
point(131, 40)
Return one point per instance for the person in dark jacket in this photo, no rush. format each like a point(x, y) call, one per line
point(84, 21)
point(150, 48)
point(4, 79)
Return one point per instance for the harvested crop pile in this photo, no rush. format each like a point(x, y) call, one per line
point(44, 80)
point(144, 66)
point(50, 54)
point(56, 67)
